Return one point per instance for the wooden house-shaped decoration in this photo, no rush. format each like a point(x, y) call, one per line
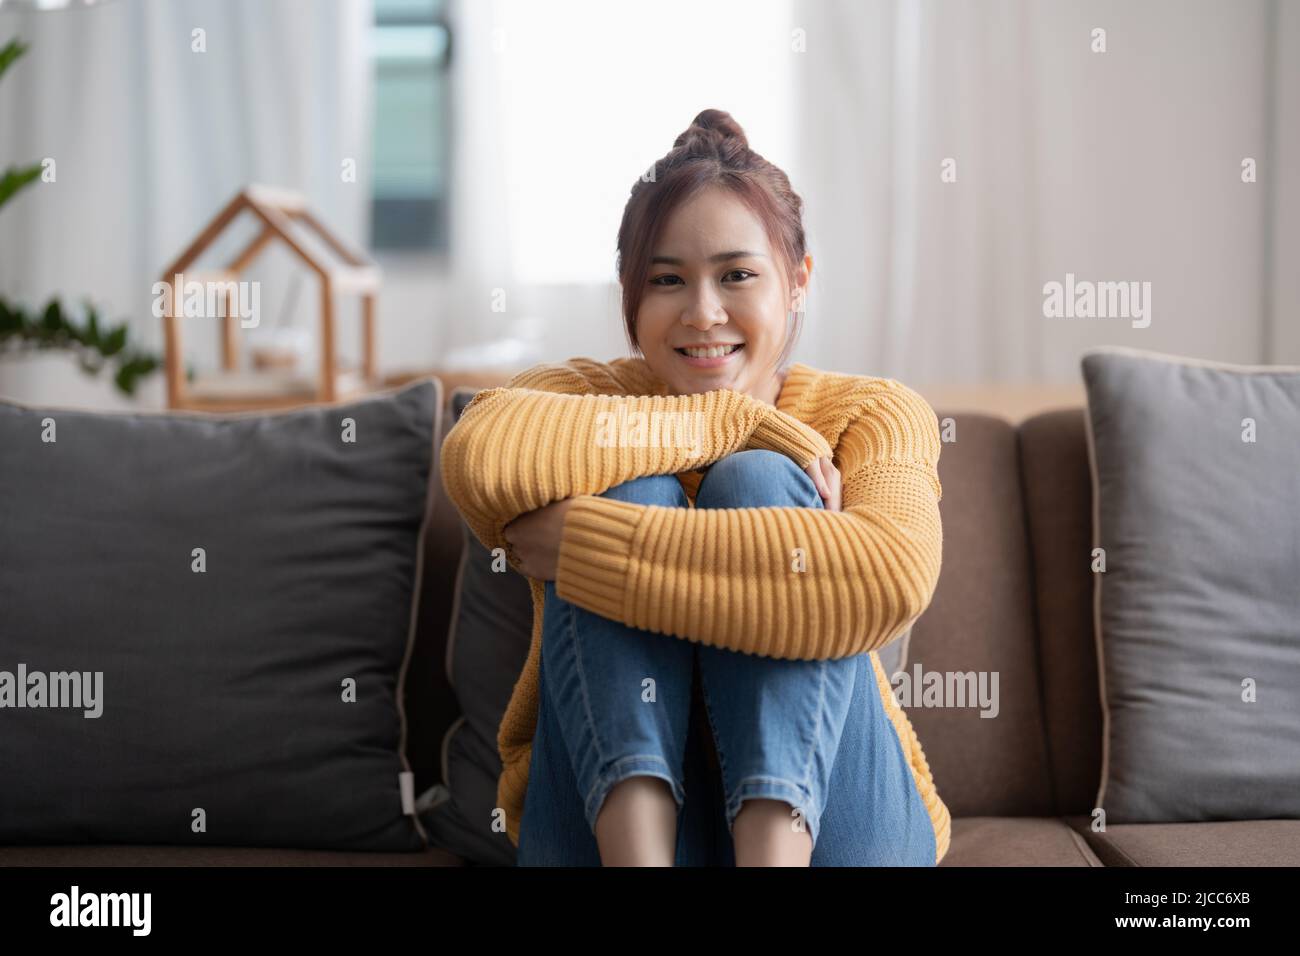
point(283, 217)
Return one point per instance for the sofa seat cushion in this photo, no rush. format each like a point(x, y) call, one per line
point(1017, 841)
point(108, 855)
point(1203, 843)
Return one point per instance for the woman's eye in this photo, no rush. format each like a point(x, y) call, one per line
point(734, 275)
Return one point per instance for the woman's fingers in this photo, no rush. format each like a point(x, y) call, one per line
point(814, 471)
point(819, 470)
point(826, 478)
point(835, 503)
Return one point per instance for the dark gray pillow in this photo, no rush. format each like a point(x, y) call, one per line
point(1196, 492)
point(490, 629)
point(222, 695)
point(491, 626)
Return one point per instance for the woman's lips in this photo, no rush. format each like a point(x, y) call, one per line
point(711, 362)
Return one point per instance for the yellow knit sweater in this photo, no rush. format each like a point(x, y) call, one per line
point(721, 577)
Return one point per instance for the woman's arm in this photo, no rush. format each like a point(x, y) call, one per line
point(728, 578)
point(548, 436)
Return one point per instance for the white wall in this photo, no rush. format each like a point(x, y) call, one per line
point(1138, 157)
point(1123, 165)
point(1284, 288)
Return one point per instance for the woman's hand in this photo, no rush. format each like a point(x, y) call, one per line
point(827, 479)
point(535, 539)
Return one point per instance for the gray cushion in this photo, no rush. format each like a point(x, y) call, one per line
point(490, 629)
point(893, 657)
point(1201, 591)
point(222, 691)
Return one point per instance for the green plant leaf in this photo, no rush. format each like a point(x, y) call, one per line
point(91, 336)
point(52, 328)
point(52, 321)
point(11, 52)
point(134, 369)
point(15, 178)
point(11, 322)
point(114, 341)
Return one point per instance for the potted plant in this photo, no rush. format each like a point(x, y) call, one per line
point(96, 346)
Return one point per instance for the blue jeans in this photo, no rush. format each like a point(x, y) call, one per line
point(616, 702)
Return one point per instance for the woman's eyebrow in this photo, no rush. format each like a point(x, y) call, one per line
point(720, 257)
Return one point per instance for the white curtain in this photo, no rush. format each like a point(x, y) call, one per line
point(913, 277)
point(1123, 165)
point(480, 228)
point(559, 107)
point(1115, 166)
point(151, 138)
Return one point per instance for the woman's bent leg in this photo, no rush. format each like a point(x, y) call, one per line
point(554, 830)
point(874, 814)
point(776, 722)
point(618, 705)
point(814, 734)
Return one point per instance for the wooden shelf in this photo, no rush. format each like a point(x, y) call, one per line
point(341, 270)
point(252, 391)
point(453, 378)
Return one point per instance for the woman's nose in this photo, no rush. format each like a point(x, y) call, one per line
point(705, 311)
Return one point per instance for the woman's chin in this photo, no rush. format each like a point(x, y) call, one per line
point(710, 383)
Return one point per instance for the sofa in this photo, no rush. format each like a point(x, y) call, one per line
point(1015, 597)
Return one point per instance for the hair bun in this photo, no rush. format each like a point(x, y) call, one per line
point(713, 126)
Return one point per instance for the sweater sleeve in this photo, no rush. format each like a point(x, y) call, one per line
point(797, 583)
point(519, 447)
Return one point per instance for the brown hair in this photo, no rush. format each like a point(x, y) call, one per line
point(713, 151)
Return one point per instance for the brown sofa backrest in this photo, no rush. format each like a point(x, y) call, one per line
point(1014, 595)
point(982, 620)
point(1058, 506)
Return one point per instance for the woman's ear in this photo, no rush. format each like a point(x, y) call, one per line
point(800, 291)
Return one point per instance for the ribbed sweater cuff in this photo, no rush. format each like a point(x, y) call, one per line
point(595, 550)
point(778, 432)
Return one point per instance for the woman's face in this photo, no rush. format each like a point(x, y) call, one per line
point(715, 282)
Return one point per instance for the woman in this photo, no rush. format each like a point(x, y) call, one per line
point(708, 508)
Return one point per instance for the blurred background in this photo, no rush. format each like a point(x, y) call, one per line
point(954, 157)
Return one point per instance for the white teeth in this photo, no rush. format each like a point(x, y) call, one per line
point(715, 352)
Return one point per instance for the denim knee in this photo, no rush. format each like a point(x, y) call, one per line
point(756, 478)
point(777, 725)
point(663, 490)
point(591, 665)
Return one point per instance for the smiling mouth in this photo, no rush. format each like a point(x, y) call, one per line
point(717, 351)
